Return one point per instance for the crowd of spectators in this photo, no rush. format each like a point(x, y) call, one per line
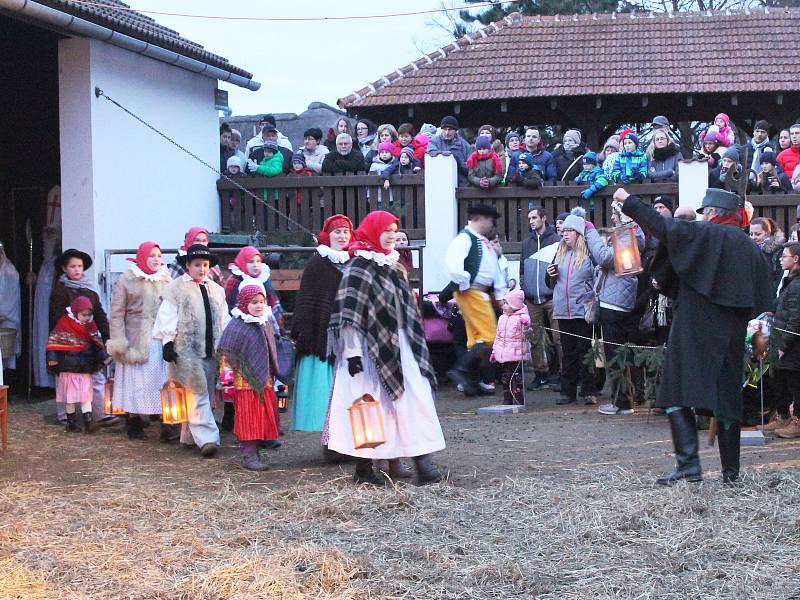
point(770, 166)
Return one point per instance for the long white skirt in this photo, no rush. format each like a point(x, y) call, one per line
point(137, 388)
point(410, 423)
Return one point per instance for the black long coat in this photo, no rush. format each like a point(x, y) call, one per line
point(723, 280)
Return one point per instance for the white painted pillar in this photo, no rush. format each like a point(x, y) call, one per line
point(441, 218)
point(692, 182)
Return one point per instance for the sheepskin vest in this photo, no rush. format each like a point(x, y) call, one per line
point(134, 306)
point(190, 337)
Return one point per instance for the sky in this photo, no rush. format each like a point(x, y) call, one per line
point(302, 62)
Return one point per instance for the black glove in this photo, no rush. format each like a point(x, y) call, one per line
point(354, 366)
point(168, 352)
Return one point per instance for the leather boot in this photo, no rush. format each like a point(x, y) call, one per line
point(89, 426)
point(365, 474)
point(169, 433)
point(427, 472)
point(729, 441)
point(465, 366)
point(70, 424)
point(250, 458)
point(397, 470)
point(684, 439)
point(133, 427)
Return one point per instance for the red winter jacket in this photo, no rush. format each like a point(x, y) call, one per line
point(789, 159)
point(419, 149)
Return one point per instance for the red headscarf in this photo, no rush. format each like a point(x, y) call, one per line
point(142, 254)
point(246, 294)
point(332, 223)
point(190, 235)
point(368, 234)
point(245, 254)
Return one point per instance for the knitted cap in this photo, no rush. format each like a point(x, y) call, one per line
point(576, 223)
point(449, 121)
point(408, 150)
point(80, 304)
point(665, 200)
point(732, 153)
point(562, 216)
point(724, 117)
point(483, 143)
point(762, 124)
point(299, 157)
point(631, 136)
point(511, 135)
point(385, 147)
point(235, 161)
point(574, 135)
point(526, 157)
point(271, 145)
point(590, 158)
point(515, 298)
point(767, 156)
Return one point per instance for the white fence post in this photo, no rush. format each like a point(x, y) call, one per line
point(441, 218)
point(692, 182)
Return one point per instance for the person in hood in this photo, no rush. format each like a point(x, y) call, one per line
point(663, 158)
point(539, 297)
point(710, 150)
point(723, 130)
point(510, 346)
point(234, 166)
point(566, 154)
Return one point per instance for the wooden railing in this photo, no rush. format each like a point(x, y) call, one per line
point(310, 200)
point(781, 207)
point(513, 204)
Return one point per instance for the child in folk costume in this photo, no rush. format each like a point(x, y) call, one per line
point(75, 350)
point(511, 345)
point(140, 369)
point(249, 263)
point(377, 336)
point(247, 346)
point(195, 235)
point(189, 324)
point(73, 282)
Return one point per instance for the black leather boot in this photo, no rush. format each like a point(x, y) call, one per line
point(684, 439)
point(463, 369)
point(89, 426)
point(169, 433)
point(70, 424)
point(227, 417)
point(365, 474)
point(133, 427)
point(729, 441)
point(427, 472)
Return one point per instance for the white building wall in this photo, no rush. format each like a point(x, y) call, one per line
point(121, 183)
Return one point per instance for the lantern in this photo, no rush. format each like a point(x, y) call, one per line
point(173, 404)
point(367, 422)
point(283, 398)
point(626, 251)
point(108, 397)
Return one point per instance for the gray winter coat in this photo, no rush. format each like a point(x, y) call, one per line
point(532, 271)
point(663, 165)
point(460, 150)
point(572, 288)
point(619, 292)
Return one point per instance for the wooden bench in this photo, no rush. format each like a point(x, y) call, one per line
point(286, 280)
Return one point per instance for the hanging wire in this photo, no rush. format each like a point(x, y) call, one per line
point(101, 94)
point(493, 3)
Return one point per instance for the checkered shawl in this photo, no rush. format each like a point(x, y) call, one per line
point(368, 299)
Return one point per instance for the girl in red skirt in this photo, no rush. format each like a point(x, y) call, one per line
point(247, 347)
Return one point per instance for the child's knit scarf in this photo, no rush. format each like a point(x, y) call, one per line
point(473, 159)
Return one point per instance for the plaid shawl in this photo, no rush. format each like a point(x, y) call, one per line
point(368, 300)
point(249, 349)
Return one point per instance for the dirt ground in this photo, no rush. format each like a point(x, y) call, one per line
point(566, 457)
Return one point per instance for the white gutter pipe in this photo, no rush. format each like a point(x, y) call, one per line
point(83, 28)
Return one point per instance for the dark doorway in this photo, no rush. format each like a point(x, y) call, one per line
point(29, 155)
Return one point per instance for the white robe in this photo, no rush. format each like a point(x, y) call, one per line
point(10, 306)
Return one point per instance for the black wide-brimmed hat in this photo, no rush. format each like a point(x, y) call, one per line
point(198, 251)
point(63, 259)
point(483, 210)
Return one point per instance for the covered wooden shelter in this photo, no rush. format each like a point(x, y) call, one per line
point(598, 71)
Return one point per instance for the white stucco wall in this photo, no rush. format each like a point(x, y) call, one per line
point(121, 183)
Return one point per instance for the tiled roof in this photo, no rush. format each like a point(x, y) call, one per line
point(117, 16)
point(523, 57)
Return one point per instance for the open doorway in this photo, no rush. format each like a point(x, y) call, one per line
point(29, 158)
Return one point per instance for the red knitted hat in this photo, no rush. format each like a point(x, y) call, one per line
point(80, 304)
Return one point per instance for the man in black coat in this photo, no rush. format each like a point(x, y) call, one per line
point(345, 159)
point(723, 281)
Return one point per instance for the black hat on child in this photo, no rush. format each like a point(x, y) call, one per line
point(63, 259)
point(198, 251)
point(482, 210)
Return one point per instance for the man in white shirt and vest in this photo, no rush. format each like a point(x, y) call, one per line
point(473, 268)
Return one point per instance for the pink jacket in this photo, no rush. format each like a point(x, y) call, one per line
point(510, 343)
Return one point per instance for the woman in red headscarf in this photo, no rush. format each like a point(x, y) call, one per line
point(377, 337)
point(195, 235)
point(312, 313)
point(140, 369)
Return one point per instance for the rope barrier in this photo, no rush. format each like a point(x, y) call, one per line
point(100, 93)
point(598, 339)
point(443, 9)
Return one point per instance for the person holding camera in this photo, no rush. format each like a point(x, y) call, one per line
point(769, 179)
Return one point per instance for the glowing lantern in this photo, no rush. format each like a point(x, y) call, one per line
point(367, 422)
point(626, 251)
point(108, 397)
point(283, 398)
point(173, 404)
